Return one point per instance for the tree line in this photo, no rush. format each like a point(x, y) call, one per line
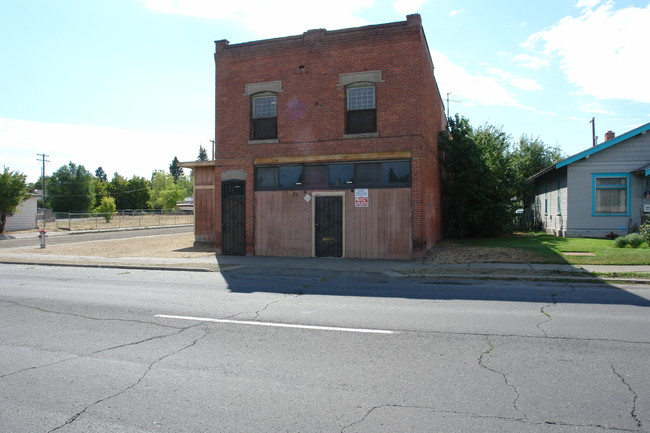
point(484, 176)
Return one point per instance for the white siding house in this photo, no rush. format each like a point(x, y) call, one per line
point(25, 216)
point(602, 190)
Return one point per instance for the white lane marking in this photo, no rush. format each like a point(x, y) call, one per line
point(278, 325)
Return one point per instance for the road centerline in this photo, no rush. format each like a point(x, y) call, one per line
point(279, 325)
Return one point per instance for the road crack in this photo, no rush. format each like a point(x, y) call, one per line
point(635, 397)
point(73, 418)
point(524, 421)
point(482, 364)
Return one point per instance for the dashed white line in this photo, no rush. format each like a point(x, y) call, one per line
point(278, 325)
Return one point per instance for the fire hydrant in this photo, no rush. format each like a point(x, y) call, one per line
point(42, 236)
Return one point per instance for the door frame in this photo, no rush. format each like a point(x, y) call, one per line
point(241, 201)
point(313, 218)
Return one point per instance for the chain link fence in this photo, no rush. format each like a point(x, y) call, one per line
point(119, 220)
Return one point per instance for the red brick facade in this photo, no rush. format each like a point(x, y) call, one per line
point(306, 71)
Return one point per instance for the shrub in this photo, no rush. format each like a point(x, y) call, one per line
point(620, 242)
point(106, 208)
point(634, 240)
point(645, 231)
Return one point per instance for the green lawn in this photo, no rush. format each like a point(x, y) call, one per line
point(550, 249)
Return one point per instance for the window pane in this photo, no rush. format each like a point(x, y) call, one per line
point(265, 129)
point(341, 174)
point(264, 107)
point(316, 175)
point(367, 174)
point(611, 201)
point(396, 172)
point(361, 121)
point(266, 177)
point(611, 181)
point(290, 175)
point(361, 98)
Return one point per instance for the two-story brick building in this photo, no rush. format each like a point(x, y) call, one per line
point(326, 145)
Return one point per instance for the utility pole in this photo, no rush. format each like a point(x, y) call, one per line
point(43, 160)
point(593, 131)
point(214, 148)
point(448, 100)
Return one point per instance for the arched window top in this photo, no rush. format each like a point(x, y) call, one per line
point(267, 86)
point(360, 77)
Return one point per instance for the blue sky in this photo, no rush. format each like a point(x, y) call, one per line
point(129, 84)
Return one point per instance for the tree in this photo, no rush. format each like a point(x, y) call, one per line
point(175, 170)
point(13, 191)
point(71, 189)
point(203, 155)
point(118, 188)
point(164, 192)
point(101, 175)
point(529, 157)
point(106, 208)
point(138, 194)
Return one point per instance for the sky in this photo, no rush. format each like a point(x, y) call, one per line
point(127, 85)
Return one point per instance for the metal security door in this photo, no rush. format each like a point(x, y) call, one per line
point(329, 226)
point(233, 223)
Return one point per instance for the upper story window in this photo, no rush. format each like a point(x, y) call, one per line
point(611, 194)
point(264, 119)
point(361, 113)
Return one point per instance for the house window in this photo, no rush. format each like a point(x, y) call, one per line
point(611, 194)
point(264, 125)
point(361, 113)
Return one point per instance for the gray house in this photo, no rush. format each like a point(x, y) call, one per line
point(604, 189)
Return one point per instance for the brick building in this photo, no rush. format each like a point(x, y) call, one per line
point(326, 145)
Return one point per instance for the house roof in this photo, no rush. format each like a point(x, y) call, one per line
point(602, 146)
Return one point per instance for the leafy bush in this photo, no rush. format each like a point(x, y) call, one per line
point(634, 240)
point(645, 231)
point(106, 208)
point(620, 242)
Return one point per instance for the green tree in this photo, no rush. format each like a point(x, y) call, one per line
point(138, 194)
point(203, 154)
point(13, 191)
point(107, 208)
point(464, 172)
point(118, 188)
point(529, 157)
point(101, 174)
point(175, 170)
point(497, 199)
point(165, 193)
point(71, 189)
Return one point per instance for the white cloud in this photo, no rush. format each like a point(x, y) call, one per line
point(406, 7)
point(603, 51)
point(456, 12)
point(130, 153)
point(472, 89)
point(593, 107)
point(269, 19)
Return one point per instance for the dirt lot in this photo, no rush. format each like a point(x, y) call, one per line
point(182, 246)
point(172, 246)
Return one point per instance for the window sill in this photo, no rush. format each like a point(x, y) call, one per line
point(272, 141)
point(362, 135)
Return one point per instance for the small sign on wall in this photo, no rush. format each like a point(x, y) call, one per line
point(646, 208)
point(361, 197)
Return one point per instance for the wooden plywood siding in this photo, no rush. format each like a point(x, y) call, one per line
point(283, 224)
point(204, 204)
point(381, 230)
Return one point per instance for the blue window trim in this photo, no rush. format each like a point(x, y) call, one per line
point(595, 176)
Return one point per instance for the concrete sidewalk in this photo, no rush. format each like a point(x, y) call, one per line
point(393, 268)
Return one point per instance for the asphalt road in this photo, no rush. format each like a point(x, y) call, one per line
point(64, 237)
point(282, 350)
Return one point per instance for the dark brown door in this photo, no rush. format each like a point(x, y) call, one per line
point(329, 226)
point(233, 223)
